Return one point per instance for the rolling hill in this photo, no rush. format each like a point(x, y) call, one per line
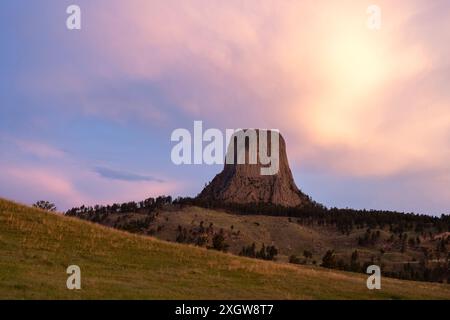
point(289, 235)
point(36, 247)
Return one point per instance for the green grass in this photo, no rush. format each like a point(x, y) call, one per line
point(36, 247)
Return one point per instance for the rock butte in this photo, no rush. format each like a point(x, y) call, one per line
point(244, 184)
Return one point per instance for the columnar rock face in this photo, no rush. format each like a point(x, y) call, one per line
point(244, 183)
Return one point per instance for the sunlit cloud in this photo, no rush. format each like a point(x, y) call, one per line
point(349, 101)
point(313, 70)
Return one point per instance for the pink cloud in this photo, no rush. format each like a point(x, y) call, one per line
point(69, 181)
point(33, 183)
point(348, 100)
point(312, 70)
point(39, 149)
point(69, 186)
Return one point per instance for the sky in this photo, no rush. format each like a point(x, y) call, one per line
point(86, 115)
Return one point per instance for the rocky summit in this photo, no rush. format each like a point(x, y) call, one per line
point(243, 183)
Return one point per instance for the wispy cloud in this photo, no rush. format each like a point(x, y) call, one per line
point(68, 184)
point(123, 175)
point(41, 150)
point(34, 148)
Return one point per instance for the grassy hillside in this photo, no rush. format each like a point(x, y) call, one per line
point(36, 247)
point(294, 238)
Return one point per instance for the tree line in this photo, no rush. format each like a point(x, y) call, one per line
point(345, 220)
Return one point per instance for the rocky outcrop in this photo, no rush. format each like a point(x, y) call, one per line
point(244, 183)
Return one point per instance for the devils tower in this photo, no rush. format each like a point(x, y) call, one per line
point(244, 183)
